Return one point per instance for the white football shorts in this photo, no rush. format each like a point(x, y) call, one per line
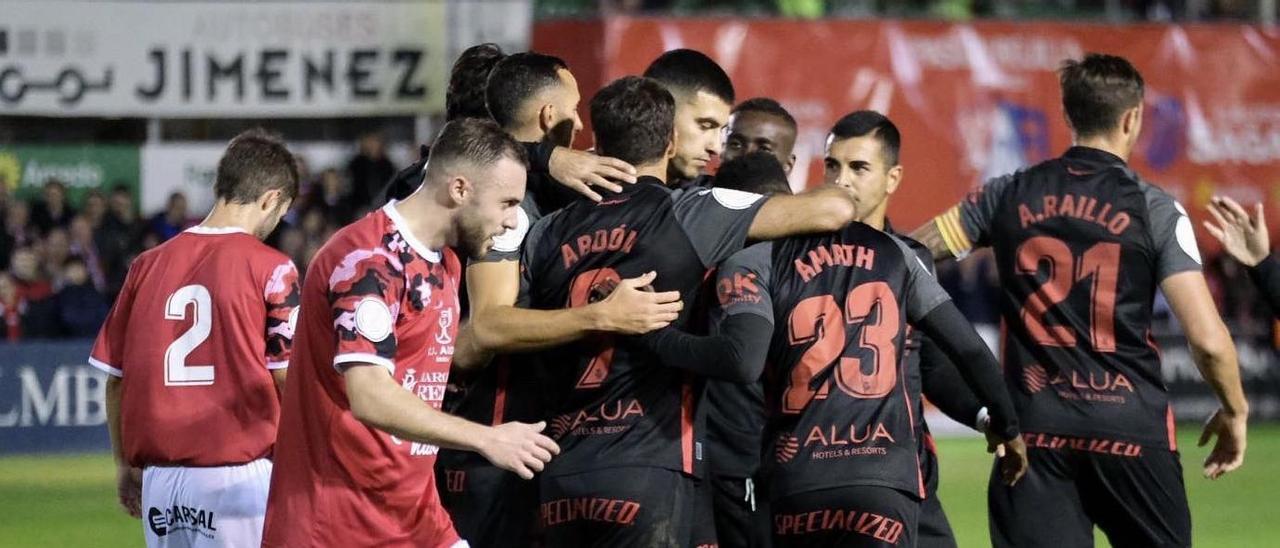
point(205, 507)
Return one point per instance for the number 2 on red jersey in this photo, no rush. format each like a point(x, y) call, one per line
point(195, 298)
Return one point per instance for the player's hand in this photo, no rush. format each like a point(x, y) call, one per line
point(1228, 451)
point(633, 308)
point(519, 447)
point(1242, 236)
point(1012, 455)
point(129, 489)
point(580, 171)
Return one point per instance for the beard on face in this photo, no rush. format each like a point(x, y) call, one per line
point(474, 240)
point(561, 134)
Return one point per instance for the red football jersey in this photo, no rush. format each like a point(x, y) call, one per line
point(200, 321)
point(374, 295)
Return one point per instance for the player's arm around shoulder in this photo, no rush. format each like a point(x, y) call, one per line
point(497, 325)
point(825, 209)
point(968, 224)
point(379, 402)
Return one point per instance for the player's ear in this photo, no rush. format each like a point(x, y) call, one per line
point(270, 200)
point(895, 177)
point(1132, 121)
point(671, 144)
point(547, 117)
point(791, 162)
point(460, 189)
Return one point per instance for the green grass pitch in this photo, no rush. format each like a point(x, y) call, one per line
point(70, 500)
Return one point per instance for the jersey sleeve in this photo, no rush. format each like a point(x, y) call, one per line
point(742, 284)
point(967, 225)
point(365, 293)
point(528, 253)
point(716, 220)
point(1171, 233)
point(506, 246)
point(923, 292)
point(281, 295)
point(108, 349)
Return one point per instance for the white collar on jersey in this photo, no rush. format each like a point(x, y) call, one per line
point(209, 230)
point(402, 227)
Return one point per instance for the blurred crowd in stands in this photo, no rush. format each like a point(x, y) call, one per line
point(61, 265)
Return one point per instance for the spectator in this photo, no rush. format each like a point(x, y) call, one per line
point(11, 307)
point(53, 211)
point(25, 267)
point(173, 219)
point(81, 307)
point(24, 317)
point(369, 171)
point(17, 224)
point(55, 252)
point(118, 237)
point(331, 197)
point(149, 240)
point(94, 209)
point(17, 232)
point(84, 247)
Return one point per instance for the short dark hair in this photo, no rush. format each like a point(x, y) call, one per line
point(869, 122)
point(477, 141)
point(1097, 90)
point(759, 172)
point(633, 119)
point(765, 105)
point(255, 162)
point(517, 79)
point(689, 71)
point(465, 96)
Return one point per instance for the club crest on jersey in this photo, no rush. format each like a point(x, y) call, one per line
point(446, 321)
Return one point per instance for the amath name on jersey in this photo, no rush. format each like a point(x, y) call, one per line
point(1076, 206)
point(852, 255)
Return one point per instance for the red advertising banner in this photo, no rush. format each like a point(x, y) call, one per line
point(981, 99)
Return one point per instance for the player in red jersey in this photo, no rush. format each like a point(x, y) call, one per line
point(196, 348)
point(361, 419)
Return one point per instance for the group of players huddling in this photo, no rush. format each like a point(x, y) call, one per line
point(531, 345)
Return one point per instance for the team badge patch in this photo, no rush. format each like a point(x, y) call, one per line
point(373, 319)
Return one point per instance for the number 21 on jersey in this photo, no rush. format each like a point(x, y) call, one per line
point(176, 371)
